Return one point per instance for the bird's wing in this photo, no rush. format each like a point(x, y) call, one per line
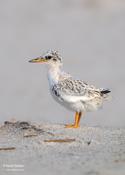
point(71, 90)
point(71, 87)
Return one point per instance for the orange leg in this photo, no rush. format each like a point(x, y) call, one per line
point(77, 121)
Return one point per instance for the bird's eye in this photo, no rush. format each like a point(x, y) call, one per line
point(48, 57)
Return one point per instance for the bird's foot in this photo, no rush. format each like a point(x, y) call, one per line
point(71, 126)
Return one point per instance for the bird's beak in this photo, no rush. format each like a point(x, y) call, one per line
point(38, 60)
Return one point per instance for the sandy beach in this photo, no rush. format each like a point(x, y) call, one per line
point(53, 149)
point(90, 36)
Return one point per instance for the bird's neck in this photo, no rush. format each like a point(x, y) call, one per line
point(53, 74)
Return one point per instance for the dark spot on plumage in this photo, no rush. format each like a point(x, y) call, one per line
point(54, 59)
point(55, 91)
point(105, 91)
point(89, 142)
point(59, 58)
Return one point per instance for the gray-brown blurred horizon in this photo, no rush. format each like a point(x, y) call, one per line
point(90, 36)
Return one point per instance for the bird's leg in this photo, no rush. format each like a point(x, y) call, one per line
point(77, 121)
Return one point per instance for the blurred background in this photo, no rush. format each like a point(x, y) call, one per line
point(90, 36)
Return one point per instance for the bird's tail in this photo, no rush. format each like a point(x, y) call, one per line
point(105, 93)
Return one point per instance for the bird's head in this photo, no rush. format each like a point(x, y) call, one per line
point(52, 58)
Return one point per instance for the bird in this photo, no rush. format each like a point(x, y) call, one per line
point(73, 94)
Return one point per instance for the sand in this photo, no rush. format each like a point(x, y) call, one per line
point(32, 148)
point(90, 36)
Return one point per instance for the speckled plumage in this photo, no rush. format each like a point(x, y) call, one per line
point(79, 92)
